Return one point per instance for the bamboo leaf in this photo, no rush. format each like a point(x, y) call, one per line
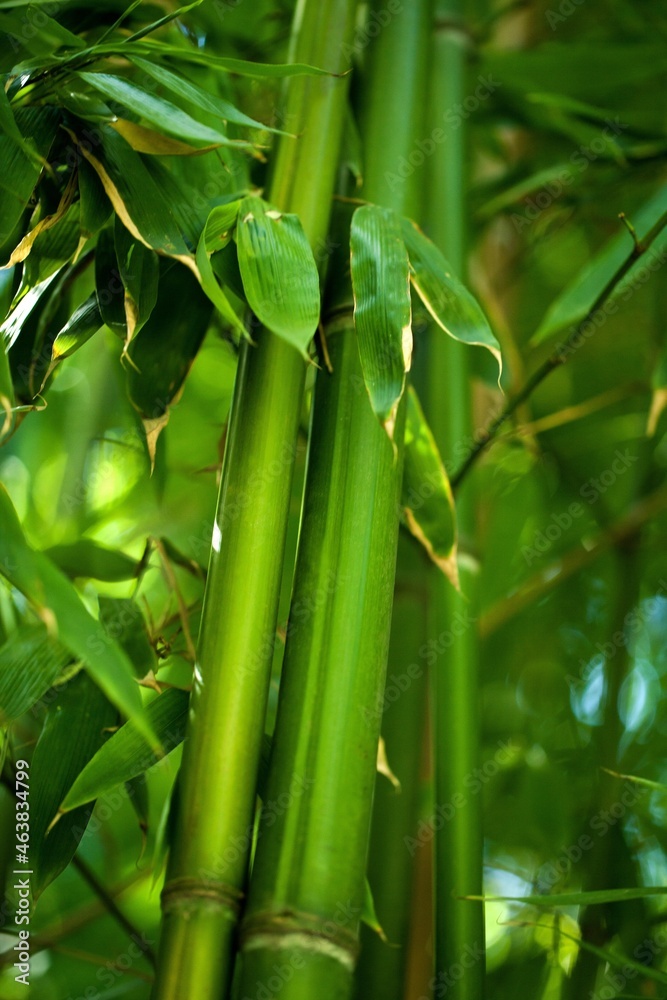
point(126, 754)
point(135, 196)
point(427, 498)
point(220, 225)
point(209, 281)
point(109, 289)
point(20, 171)
point(243, 67)
point(83, 324)
point(48, 33)
point(162, 114)
point(94, 204)
point(181, 87)
point(279, 273)
point(74, 730)
point(86, 558)
point(162, 353)
point(147, 140)
point(448, 301)
point(382, 308)
point(52, 248)
point(578, 298)
point(368, 914)
point(59, 606)
point(30, 662)
point(139, 272)
point(593, 898)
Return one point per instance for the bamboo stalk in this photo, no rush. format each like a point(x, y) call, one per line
point(306, 895)
point(208, 863)
point(458, 844)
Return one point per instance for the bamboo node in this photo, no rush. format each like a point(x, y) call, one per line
point(183, 893)
point(307, 931)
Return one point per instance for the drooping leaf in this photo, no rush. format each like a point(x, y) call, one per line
point(139, 272)
point(86, 558)
point(382, 308)
point(109, 289)
point(94, 204)
point(22, 309)
point(134, 195)
point(20, 172)
point(59, 606)
point(448, 301)
point(126, 754)
point(183, 88)
point(74, 730)
point(427, 498)
point(577, 299)
point(162, 114)
point(279, 273)
point(162, 353)
point(368, 914)
point(30, 661)
point(217, 235)
point(52, 248)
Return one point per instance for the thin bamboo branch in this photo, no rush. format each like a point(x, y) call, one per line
point(560, 355)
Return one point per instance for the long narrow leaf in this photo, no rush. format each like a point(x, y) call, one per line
point(57, 603)
point(181, 87)
point(164, 115)
point(382, 308)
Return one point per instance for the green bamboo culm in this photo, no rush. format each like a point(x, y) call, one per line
point(391, 865)
point(207, 867)
point(458, 843)
point(301, 927)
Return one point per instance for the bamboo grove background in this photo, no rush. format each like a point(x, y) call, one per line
point(166, 442)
